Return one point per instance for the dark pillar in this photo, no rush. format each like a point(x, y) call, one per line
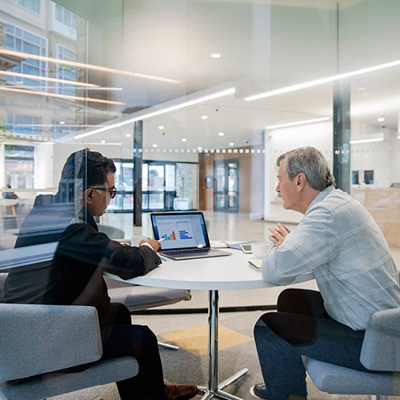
point(137, 172)
point(341, 134)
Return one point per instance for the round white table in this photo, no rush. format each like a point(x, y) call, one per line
point(212, 274)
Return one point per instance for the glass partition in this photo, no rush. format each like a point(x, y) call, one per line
point(215, 81)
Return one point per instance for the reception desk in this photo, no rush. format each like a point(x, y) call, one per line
point(384, 205)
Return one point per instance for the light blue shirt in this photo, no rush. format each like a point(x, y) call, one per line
point(341, 243)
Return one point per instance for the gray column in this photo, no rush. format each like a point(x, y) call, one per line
point(137, 172)
point(341, 134)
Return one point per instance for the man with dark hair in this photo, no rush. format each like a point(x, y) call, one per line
point(340, 242)
point(75, 275)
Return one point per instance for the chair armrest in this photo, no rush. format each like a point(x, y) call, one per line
point(35, 339)
point(381, 347)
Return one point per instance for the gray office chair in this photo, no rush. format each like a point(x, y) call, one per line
point(380, 353)
point(137, 297)
point(40, 343)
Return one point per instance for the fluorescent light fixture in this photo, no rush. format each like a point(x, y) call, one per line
point(160, 112)
point(216, 55)
point(156, 78)
point(322, 81)
point(381, 118)
point(221, 133)
point(46, 79)
point(64, 62)
point(204, 117)
point(366, 140)
point(83, 65)
point(184, 140)
point(303, 122)
point(61, 96)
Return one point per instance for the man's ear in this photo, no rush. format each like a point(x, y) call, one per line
point(88, 196)
point(300, 181)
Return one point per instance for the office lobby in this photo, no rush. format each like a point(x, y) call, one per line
point(194, 100)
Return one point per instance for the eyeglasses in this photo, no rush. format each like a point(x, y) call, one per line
point(112, 192)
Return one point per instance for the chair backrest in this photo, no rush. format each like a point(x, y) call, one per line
point(381, 346)
point(3, 277)
point(36, 339)
point(111, 231)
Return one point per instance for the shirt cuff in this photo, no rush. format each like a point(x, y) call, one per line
point(147, 244)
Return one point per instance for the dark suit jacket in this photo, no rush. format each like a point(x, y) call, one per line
point(75, 275)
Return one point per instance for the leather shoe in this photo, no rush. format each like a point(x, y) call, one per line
point(179, 392)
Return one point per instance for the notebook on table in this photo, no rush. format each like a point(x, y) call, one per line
point(183, 235)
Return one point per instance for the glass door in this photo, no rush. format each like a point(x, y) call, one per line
point(226, 174)
point(158, 186)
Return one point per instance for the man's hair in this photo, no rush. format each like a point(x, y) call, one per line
point(310, 162)
point(84, 169)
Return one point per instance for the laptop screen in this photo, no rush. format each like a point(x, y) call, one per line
point(180, 230)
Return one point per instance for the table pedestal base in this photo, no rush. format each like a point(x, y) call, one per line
point(213, 389)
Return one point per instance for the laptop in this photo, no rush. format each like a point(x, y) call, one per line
point(183, 235)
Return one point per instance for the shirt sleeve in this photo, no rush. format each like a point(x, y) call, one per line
point(312, 243)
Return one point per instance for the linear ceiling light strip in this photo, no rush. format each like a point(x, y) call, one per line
point(159, 112)
point(62, 96)
point(321, 81)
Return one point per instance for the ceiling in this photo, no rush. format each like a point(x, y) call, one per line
point(264, 45)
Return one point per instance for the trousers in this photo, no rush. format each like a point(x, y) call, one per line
point(121, 338)
point(301, 326)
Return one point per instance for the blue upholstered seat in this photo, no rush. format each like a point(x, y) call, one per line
point(39, 342)
point(380, 354)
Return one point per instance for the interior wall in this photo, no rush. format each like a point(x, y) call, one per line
point(251, 189)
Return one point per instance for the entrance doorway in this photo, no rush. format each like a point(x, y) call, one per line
point(226, 194)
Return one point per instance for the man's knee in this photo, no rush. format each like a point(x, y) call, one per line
point(262, 327)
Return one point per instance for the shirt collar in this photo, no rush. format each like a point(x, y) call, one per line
point(320, 196)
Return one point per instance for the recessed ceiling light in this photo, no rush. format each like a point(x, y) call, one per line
point(62, 122)
point(128, 135)
point(221, 134)
point(155, 145)
point(103, 141)
point(184, 140)
point(381, 118)
point(216, 55)
point(204, 117)
point(231, 144)
point(161, 127)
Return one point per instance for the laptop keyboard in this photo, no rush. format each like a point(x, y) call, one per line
point(192, 251)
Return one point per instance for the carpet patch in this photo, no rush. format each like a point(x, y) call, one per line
point(195, 340)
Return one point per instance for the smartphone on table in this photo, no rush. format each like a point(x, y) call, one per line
point(246, 248)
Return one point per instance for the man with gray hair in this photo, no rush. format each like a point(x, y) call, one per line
point(338, 241)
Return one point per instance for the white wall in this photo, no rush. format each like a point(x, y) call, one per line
point(318, 135)
point(43, 166)
point(394, 157)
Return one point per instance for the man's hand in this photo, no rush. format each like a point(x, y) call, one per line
point(155, 244)
point(278, 234)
